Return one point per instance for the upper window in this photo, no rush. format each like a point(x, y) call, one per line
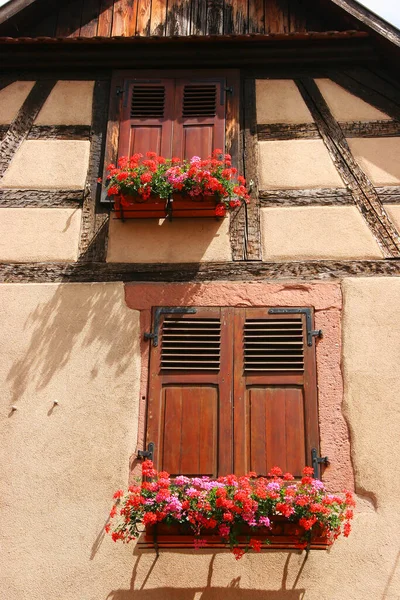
point(232, 390)
point(173, 117)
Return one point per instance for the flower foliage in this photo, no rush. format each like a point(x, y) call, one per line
point(227, 503)
point(140, 177)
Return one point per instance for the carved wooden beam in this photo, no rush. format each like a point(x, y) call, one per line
point(252, 210)
point(14, 198)
point(322, 197)
point(20, 127)
point(309, 131)
point(199, 272)
point(95, 216)
point(59, 132)
point(361, 188)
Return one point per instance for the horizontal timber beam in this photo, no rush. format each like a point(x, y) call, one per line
point(15, 198)
point(322, 197)
point(309, 131)
point(190, 272)
point(59, 132)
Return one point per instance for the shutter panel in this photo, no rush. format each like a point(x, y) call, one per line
point(189, 406)
point(147, 117)
point(275, 393)
point(199, 127)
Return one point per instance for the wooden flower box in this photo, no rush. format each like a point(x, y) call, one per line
point(131, 207)
point(180, 206)
point(282, 535)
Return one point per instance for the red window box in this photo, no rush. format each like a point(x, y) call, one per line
point(180, 206)
point(283, 534)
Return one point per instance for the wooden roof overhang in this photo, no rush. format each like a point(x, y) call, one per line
point(250, 50)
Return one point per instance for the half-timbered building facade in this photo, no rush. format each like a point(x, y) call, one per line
point(269, 337)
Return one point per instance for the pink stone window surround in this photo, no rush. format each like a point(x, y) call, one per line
point(325, 298)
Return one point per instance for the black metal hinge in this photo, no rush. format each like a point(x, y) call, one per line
point(316, 461)
point(165, 310)
point(149, 453)
point(302, 311)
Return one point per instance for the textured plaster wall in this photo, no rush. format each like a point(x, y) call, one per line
point(330, 232)
point(77, 344)
point(379, 158)
point(182, 240)
point(46, 164)
point(279, 101)
point(69, 103)
point(296, 164)
point(12, 98)
point(39, 234)
point(347, 107)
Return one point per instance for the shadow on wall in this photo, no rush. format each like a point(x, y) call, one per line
point(76, 317)
point(233, 591)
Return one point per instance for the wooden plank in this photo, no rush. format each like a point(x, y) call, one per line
point(124, 18)
point(158, 17)
point(297, 15)
point(178, 17)
point(256, 16)
point(59, 132)
point(105, 18)
point(19, 128)
point(143, 17)
point(90, 18)
point(305, 194)
point(172, 430)
point(186, 272)
point(295, 431)
point(215, 17)
point(276, 16)
point(236, 17)
point(199, 17)
point(366, 93)
point(370, 129)
point(362, 190)
point(258, 431)
point(95, 216)
point(69, 19)
point(14, 198)
point(253, 234)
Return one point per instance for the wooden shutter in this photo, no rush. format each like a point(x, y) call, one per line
point(189, 410)
point(199, 126)
point(147, 117)
point(232, 390)
point(276, 421)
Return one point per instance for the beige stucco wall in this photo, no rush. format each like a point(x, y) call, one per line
point(39, 234)
point(347, 107)
point(77, 344)
point(317, 232)
point(46, 164)
point(182, 240)
point(393, 211)
point(12, 98)
point(279, 101)
point(69, 103)
point(379, 158)
point(296, 164)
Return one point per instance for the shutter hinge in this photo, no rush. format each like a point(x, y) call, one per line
point(229, 90)
point(148, 454)
point(119, 91)
point(316, 461)
point(164, 310)
point(302, 311)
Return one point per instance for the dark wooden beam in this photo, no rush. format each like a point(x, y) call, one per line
point(59, 132)
point(361, 188)
point(251, 162)
point(95, 216)
point(309, 197)
point(20, 127)
point(288, 131)
point(199, 272)
point(14, 198)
